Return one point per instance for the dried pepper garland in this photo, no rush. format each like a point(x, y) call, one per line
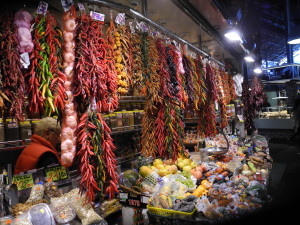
point(221, 99)
point(249, 111)
point(137, 64)
point(258, 96)
point(169, 125)
point(231, 87)
point(97, 160)
point(153, 99)
point(46, 92)
point(12, 85)
point(189, 82)
point(209, 109)
point(94, 76)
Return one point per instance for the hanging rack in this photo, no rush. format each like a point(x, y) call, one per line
point(135, 14)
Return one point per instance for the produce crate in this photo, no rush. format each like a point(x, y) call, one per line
point(169, 212)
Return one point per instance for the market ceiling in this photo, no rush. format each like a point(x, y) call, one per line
point(203, 23)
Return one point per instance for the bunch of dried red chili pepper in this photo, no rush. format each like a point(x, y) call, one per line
point(94, 76)
point(97, 159)
point(249, 110)
point(258, 96)
point(12, 85)
point(46, 92)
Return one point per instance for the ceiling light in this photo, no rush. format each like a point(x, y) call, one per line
point(249, 58)
point(294, 36)
point(257, 70)
point(233, 35)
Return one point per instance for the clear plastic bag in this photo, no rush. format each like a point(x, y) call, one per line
point(41, 214)
point(23, 219)
point(61, 210)
point(36, 193)
point(85, 212)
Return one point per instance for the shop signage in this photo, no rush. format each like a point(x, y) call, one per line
point(56, 173)
point(136, 201)
point(23, 181)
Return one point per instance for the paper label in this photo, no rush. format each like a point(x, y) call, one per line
point(132, 30)
point(56, 173)
point(66, 4)
point(25, 61)
point(143, 27)
point(81, 7)
point(123, 196)
point(42, 8)
point(97, 16)
point(120, 19)
point(23, 181)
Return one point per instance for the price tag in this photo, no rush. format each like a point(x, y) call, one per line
point(66, 4)
point(81, 7)
point(120, 19)
point(97, 16)
point(23, 181)
point(42, 8)
point(144, 27)
point(25, 60)
point(131, 27)
point(56, 173)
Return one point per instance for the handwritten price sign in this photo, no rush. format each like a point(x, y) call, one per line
point(23, 181)
point(56, 173)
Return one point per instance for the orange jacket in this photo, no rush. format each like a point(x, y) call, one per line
point(30, 156)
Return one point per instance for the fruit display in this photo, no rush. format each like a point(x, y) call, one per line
point(214, 186)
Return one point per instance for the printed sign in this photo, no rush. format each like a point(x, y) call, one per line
point(120, 19)
point(23, 181)
point(97, 16)
point(42, 8)
point(81, 7)
point(66, 4)
point(56, 173)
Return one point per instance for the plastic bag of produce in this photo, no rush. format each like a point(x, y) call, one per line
point(23, 219)
point(61, 210)
point(36, 193)
point(260, 141)
point(41, 214)
point(85, 212)
point(258, 192)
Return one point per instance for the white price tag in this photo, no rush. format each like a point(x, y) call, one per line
point(120, 19)
point(25, 61)
point(66, 4)
point(132, 30)
point(145, 199)
point(123, 197)
point(81, 7)
point(144, 27)
point(42, 8)
point(97, 16)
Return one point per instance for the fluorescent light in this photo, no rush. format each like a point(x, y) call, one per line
point(249, 58)
point(233, 35)
point(294, 41)
point(257, 70)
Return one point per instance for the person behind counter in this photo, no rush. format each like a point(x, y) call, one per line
point(41, 151)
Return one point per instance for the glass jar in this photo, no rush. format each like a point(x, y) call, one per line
point(137, 118)
point(2, 134)
point(125, 120)
point(119, 122)
point(113, 121)
point(131, 120)
point(11, 132)
point(25, 130)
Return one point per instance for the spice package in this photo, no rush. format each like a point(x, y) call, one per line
point(41, 214)
point(36, 193)
point(61, 210)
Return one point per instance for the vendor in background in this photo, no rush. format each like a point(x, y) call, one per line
point(296, 112)
point(41, 151)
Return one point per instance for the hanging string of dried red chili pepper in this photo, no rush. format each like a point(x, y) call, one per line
point(137, 64)
point(209, 108)
point(258, 96)
point(151, 91)
point(221, 99)
point(231, 87)
point(189, 85)
point(46, 92)
point(12, 85)
point(249, 111)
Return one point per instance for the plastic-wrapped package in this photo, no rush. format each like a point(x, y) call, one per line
point(36, 193)
point(85, 212)
point(61, 210)
point(51, 190)
point(6, 220)
point(23, 219)
point(41, 214)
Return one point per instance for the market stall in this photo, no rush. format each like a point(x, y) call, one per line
point(122, 92)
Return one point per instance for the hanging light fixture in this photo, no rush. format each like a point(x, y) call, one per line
point(294, 36)
point(257, 70)
point(233, 35)
point(249, 58)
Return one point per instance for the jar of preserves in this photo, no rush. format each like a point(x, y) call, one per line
point(113, 121)
point(25, 130)
point(125, 120)
point(119, 121)
point(2, 134)
point(11, 128)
